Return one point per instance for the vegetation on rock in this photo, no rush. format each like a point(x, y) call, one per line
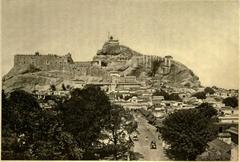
point(155, 66)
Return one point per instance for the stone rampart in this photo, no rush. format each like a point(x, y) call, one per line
point(44, 62)
point(63, 63)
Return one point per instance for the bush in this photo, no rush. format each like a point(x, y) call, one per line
point(231, 101)
point(172, 96)
point(200, 95)
point(209, 90)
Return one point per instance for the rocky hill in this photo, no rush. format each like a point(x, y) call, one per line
point(112, 54)
point(112, 57)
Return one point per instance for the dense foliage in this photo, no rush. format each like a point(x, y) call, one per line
point(52, 87)
point(231, 101)
point(72, 130)
point(172, 96)
point(188, 131)
point(63, 87)
point(200, 95)
point(30, 132)
point(209, 90)
point(84, 115)
point(117, 131)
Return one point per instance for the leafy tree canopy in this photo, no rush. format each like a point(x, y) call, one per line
point(53, 87)
point(209, 90)
point(84, 115)
point(172, 96)
point(207, 110)
point(63, 87)
point(187, 132)
point(70, 131)
point(21, 119)
point(200, 95)
point(120, 125)
point(231, 101)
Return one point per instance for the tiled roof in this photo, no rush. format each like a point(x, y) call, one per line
point(219, 145)
point(233, 130)
point(224, 135)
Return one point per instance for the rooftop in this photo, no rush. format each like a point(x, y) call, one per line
point(233, 130)
point(219, 145)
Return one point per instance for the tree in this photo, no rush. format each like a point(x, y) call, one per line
point(53, 143)
point(231, 101)
point(63, 87)
point(28, 132)
point(187, 132)
point(70, 131)
point(161, 93)
point(52, 87)
point(8, 136)
point(187, 85)
point(129, 96)
point(207, 110)
point(172, 96)
point(84, 115)
point(22, 114)
point(121, 124)
point(209, 90)
point(103, 63)
point(90, 118)
point(6, 112)
point(200, 95)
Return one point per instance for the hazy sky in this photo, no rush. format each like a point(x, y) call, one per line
point(199, 33)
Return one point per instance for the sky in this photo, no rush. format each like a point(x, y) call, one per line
point(202, 34)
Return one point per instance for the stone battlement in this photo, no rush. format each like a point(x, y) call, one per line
point(44, 62)
point(55, 62)
point(95, 67)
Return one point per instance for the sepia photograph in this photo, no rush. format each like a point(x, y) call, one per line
point(128, 80)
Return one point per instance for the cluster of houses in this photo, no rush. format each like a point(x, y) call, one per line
point(131, 93)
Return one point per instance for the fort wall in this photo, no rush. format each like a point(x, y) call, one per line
point(44, 62)
point(145, 60)
point(55, 62)
point(92, 68)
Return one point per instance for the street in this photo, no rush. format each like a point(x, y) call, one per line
point(142, 146)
